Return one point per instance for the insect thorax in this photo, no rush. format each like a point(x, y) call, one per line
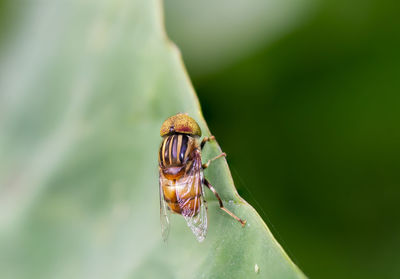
point(176, 150)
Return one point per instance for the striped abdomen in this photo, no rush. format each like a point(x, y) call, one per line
point(180, 181)
point(175, 150)
point(183, 198)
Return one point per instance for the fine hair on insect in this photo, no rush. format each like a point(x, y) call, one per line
point(181, 178)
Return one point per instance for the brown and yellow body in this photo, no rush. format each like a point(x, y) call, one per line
point(179, 176)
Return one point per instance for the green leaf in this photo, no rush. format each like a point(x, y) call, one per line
point(85, 86)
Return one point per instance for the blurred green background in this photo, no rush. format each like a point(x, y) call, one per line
point(304, 96)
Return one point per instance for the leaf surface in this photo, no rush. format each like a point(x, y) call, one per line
point(85, 87)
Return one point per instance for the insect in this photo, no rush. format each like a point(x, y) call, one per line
point(181, 175)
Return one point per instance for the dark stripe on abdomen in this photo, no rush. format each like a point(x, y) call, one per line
point(189, 207)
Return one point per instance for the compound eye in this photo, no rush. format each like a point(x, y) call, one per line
point(180, 123)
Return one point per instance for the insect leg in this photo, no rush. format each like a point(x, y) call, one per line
point(203, 142)
point(204, 166)
point(221, 205)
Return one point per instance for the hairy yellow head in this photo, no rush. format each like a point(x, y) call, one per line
point(180, 123)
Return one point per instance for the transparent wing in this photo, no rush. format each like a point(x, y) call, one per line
point(164, 213)
point(191, 200)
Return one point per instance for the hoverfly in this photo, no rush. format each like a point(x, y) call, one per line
point(181, 175)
